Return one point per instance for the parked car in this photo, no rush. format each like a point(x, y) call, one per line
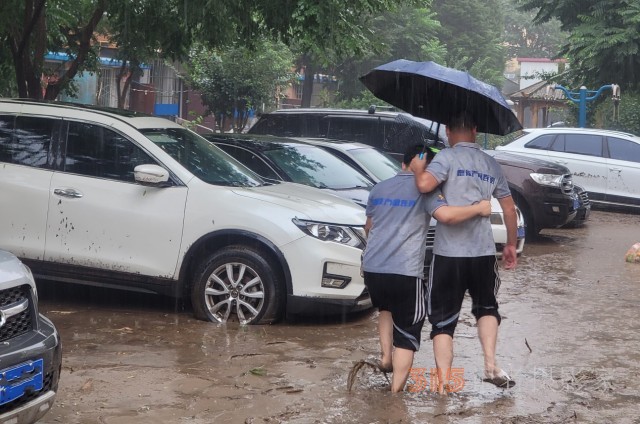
point(542, 190)
point(544, 203)
point(119, 199)
point(373, 127)
point(582, 204)
point(30, 348)
point(605, 163)
point(284, 159)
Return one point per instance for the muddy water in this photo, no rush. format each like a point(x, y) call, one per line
point(570, 337)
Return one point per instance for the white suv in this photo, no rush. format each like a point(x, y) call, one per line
point(605, 163)
point(117, 199)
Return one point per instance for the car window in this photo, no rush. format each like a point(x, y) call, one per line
point(542, 142)
point(377, 163)
point(583, 144)
point(251, 161)
point(311, 165)
point(355, 128)
point(558, 144)
point(95, 151)
point(202, 158)
point(623, 149)
point(27, 140)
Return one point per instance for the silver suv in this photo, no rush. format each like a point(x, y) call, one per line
point(30, 352)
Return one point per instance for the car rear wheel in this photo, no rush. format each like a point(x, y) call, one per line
point(237, 282)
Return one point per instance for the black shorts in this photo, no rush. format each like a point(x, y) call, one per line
point(404, 297)
point(449, 279)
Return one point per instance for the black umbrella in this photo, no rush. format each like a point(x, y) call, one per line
point(435, 92)
point(408, 131)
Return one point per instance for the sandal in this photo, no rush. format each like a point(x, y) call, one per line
point(501, 380)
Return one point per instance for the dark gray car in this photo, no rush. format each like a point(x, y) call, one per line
point(30, 350)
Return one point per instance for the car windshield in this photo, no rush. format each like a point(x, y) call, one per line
point(201, 158)
point(381, 165)
point(311, 165)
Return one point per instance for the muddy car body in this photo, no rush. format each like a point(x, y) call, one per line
point(119, 199)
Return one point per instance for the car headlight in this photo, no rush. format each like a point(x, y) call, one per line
point(551, 180)
point(350, 236)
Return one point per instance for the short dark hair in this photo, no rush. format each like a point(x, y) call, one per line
point(461, 121)
point(412, 151)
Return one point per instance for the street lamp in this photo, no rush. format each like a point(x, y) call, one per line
point(583, 96)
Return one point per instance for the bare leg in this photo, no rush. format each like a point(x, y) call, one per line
point(443, 353)
point(488, 335)
point(385, 330)
point(402, 362)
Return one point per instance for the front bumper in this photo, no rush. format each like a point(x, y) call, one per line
point(310, 260)
point(41, 344)
point(557, 209)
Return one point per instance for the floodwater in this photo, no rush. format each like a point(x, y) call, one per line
point(570, 338)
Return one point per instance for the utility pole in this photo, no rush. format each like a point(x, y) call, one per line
point(583, 96)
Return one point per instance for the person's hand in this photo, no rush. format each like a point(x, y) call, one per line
point(509, 257)
point(485, 207)
point(417, 165)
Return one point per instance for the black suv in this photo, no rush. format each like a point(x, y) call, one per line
point(542, 190)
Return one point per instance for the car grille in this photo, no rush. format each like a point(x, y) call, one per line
point(20, 323)
point(567, 184)
point(584, 198)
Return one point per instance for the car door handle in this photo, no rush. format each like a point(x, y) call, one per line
point(615, 169)
point(67, 192)
point(561, 162)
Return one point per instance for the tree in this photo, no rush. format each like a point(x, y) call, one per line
point(326, 32)
point(30, 28)
point(604, 42)
point(407, 32)
point(237, 78)
point(524, 38)
point(472, 32)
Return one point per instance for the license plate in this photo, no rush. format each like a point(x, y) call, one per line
point(18, 380)
point(576, 204)
point(520, 232)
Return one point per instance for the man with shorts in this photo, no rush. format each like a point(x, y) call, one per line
point(464, 254)
point(398, 217)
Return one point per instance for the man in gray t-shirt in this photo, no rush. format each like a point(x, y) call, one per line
point(464, 254)
point(398, 217)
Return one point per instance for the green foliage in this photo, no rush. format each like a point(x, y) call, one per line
point(238, 78)
point(524, 38)
point(628, 118)
point(604, 42)
point(407, 32)
point(472, 32)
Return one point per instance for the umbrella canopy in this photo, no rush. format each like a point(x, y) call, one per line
point(407, 131)
point(435, 92)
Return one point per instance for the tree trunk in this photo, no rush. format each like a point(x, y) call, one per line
point(307, 85)
point(28, 74)
point(123, 90)
point(83, 45)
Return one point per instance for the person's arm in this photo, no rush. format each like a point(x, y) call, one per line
point(368, 225)
point(425, 181)
point(509, 255)
point(455, 214)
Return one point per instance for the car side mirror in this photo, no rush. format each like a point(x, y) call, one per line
point(151, 175)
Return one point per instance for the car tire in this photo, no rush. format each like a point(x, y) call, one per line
point(239, 281)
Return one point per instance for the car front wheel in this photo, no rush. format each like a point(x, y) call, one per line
point(236, 282)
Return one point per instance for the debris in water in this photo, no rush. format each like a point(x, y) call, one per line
point(357, 367)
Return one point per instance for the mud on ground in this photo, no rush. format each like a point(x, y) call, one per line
point(570, 337)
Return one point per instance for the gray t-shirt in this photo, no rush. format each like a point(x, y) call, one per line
point(468, 175)
point(401, 216)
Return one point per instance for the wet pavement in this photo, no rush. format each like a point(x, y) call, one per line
point(570, 337)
